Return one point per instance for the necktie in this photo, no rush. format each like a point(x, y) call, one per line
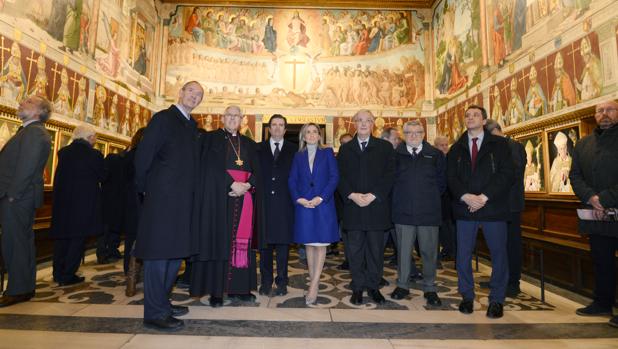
point(475, 152)
point(363, 145)
point(414, 154)
point(277, 151)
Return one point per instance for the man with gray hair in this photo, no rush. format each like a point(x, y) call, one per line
point(420, 180)
point(22, 161)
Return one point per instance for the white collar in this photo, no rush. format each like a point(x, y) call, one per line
point(418, 148)
point(183, 111)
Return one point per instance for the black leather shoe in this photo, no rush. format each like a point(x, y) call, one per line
point(594, 310)
point(357, 298)
point(466, 306)
point(415, 277)
point(168, 324)
point(484, 284)
point(383, 282)
point(376, 296)
point(495, 310)
point(344, 265)
point(249, 297)
point(72, 281)
point(264, 290)
point(399, 293)
point(6, 300)
point(432, 299)
point(179, 310)
point(215, 302)
point(281, 290)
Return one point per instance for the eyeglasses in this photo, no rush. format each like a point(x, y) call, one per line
point(606, 111)
point(414, 133)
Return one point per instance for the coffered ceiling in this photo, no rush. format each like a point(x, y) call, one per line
point(386, 4)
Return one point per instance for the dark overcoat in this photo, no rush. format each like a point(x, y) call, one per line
point(132, 204)
point(278, 205)
point(418, 188)
point(493, 176)
point(516, 196)
point(595, 172)
point(165, 171)
point(369, 171)
point(77, 210)
point(114, 189)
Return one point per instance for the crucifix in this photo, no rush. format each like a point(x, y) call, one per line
point(30, 61)
point(75, 83)
point(294, 63)
point(2, 49)
point(56, 72)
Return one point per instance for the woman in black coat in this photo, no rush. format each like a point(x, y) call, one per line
point(76, 210)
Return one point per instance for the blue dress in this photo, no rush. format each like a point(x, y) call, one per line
point(315, 225)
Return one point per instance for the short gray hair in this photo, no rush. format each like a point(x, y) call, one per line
point(366, 111)
point(83, 131)
point(387, 132)
point(491, 125)
point(414, 123)
point(45, 107)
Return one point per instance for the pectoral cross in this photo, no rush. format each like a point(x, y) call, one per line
point(2, 49)
point(294, 63)
point(56, 72)
point(30, 61)
point(75, 83)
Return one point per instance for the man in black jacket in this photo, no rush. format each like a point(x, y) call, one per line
point(516, 205)
point(366, 169)
point(420, 180)
point(594, 177)
point(480, 175)
point(22, 161)
point(165, 176)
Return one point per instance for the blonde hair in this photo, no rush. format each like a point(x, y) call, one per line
point(302, 145)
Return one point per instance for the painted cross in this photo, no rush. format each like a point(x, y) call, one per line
point(75, 84)
point(294, 64)
point(30, 61)
point(2, 49)
point(56, 72)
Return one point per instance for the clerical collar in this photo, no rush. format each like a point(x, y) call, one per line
point(183, 111)
point(230, 133)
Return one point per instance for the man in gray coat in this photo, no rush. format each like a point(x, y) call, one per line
point(22, 161)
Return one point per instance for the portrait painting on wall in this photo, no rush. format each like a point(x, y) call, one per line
point(101, 146)
point(8, 128)
point(48, 171)
point(116, 148)
point(142, 38)
point(561, 143)
point(534, 173)
point(110, 40)
point(536, 87)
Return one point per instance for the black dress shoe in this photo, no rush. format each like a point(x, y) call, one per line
point(399, 293)
point(281, 290)
point(179, 310)
point(6, 300)
point(484, 284)
point(72, 281)
point(495, 310)
point(249, 297)
point(167, 324)
point(383, 282)
point(594, 309)
point(416, 277)
point(613, 322)
point(466, 306)
point(215, 302)
point(264, 290)
point(512, 291)
point(377, 297)
point(357, 297)
point(432, 299)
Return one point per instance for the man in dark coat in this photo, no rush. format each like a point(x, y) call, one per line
point(516, 205)
point(76, 210)
point(229, 216)
point(420, 180)
point(114, 189)
point(480, 176)
point(448, 236)
point(594, 177)
point(366, 170)
point(22, 161)
point(165, 176)
point(276, 156)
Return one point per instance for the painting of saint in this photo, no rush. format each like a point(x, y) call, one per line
point(270, 36)
point(591, 80)
point(113, 114)
point(515, 110)
point(497, 112)
point(497, 36)
point(193, 27)
point(13, 79)
point(62, 103)
point(519, 23)
point(560, 149)
point(79, 110)
point(563, 94)
point(536, 103)
point(72, 26)
point(8, 128)
point(99, 106)
point(533, 172)
point(110, 62)
point(40, 79)
point(341, 130)
point(245, 128)
point(297, 34)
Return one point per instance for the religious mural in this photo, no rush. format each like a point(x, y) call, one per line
point(561, 144)
point(343, 125)
point(212, 122)
point(457, 47)
point(8, 128)
point(299, 58)
point(534, 173)
point(450, 122)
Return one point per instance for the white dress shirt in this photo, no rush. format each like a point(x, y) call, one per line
point(273, 146)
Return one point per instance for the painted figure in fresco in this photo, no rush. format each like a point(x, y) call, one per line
point(110, 64)
point(79, 110)
point(458, 79)
point(128, 118)
point(140, 62)
point(519, 24)
point(375, 37)
point(497, 36)
point(297, 35)
point(563, 94)
point(497, 112)
point(402, 33)
point(13, 79)
point(40, 79)
point(70, 37)
point(5, 134)
point(363, 41)
point(515, 110)
point(560, 167)
point(591, 82)
point(193, 27)
point(532, 172)
point(57, 19)
point(339, 38)
point(379, 127)
point(245, 129)
point(113, 114)
point(84, 28)
point(208, 123)
point(536, 103)
point(270, 36)
point(98, 117)
point(341, 130)
point(445, 82)
point(137, 122)
point(457, 129)
point(325, 41)
point(62, 104)
point(399, 125)
point(389, 29)
point(126, 128)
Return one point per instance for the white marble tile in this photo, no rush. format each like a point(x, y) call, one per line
point(502, 344)
point(107, 310)
point(43, 308)
point(11, 339)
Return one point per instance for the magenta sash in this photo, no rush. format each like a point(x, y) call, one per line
point(240, 247)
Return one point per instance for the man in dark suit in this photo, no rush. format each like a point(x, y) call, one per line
point(22, 161)
point(114, 190)
point(516, 205)
point(165, 176)
point(276, 156)
point(480, 174)
point(366, 170)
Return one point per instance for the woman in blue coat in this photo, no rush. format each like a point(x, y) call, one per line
point(313, 180)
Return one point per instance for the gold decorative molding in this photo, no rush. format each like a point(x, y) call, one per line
point(345, 4)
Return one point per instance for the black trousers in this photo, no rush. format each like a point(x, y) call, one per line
point(68, 254)
point(366, 258)
point(448, 237)
point(513, 247)
point(107, 243)
point(129, 241)
point(266, 264)
point(603, 250)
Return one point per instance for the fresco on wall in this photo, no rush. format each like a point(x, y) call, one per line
point(298, 58)
point(450, 122)
point(212, 122)
point(8, 128)
point(534, 173)
point(141, 46)
point(457, 45)
point(343, 125)
point(561, 144)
